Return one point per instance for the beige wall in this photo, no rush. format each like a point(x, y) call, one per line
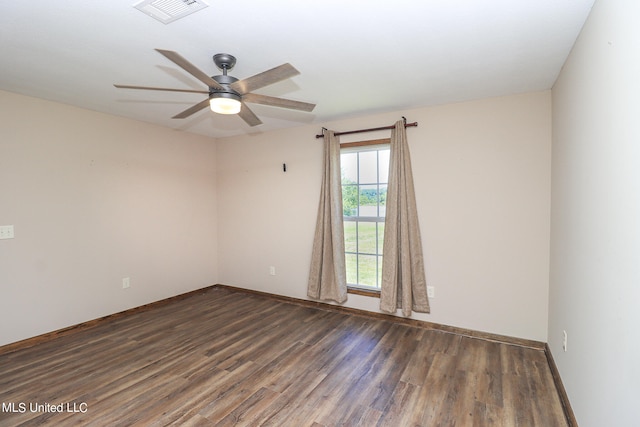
point(94, 199)
point(595, 245)
point(482, 177)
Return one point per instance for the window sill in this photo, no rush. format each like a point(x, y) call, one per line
point(364, 292)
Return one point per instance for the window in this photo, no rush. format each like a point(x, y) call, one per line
point(365, 173)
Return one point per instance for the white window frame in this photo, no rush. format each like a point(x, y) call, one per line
point(361, 147)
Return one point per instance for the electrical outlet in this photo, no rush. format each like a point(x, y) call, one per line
point(431, 291)
point(272, 271)
point(564, 340)
point(126, 282)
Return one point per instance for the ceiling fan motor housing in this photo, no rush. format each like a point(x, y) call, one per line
point(227, 92)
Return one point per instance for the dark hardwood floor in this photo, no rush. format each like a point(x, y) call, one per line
point(221, 358)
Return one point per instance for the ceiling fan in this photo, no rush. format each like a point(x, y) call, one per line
point(227, 94)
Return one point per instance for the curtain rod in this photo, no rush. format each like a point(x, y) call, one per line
point(407, 125)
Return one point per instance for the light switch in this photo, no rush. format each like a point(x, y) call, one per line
point(6, 232)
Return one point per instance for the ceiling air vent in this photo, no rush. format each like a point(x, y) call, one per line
point(167, 11)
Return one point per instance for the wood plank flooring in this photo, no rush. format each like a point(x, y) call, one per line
point(224, 358)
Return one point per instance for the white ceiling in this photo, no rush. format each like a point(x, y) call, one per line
point(355, 57)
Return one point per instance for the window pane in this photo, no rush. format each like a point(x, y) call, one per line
point(367, 237)
point(368, 167)
point(349, 168)
point(350, 200)
point(383, 201)
point(351, 262)
point(368, 200)
point(367, 270)
point(384, 165)
point(365, 174)
point(350, 244)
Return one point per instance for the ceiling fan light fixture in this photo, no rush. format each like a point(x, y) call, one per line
point(225, 103)
point(227, 94)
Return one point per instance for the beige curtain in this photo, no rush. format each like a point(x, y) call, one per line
point(404, 284)
point(327, 276)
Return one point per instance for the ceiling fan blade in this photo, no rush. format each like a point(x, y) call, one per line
point(161, 88)
point(249, 116)
point(277, 102)
point(191, 110)
point(274, 75)
point(190, 68)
